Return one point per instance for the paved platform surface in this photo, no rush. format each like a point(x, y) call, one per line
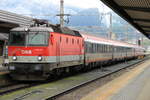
point(133, 85)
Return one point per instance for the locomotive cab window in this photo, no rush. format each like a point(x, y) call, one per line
point(17, 38)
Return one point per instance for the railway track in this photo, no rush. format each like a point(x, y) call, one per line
point(93, 80)
point(59, 90)
point(14, 87)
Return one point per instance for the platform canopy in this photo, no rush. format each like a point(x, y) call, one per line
point(3, 36)
point(10, 20)
point(136, 12)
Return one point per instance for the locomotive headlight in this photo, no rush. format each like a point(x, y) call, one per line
point(26, 29)
point(39, 58)
point(14, 58)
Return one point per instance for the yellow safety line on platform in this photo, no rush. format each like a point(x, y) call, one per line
point(113, 87)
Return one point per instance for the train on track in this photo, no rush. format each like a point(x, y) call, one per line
point(39, 52)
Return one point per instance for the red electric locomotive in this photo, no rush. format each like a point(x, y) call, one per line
point(38, 50)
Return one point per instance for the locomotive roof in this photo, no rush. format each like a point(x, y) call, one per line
point(45, 29)
point(52, 28)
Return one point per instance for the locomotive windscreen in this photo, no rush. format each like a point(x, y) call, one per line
point(28, 39)
point(17, 38)
point(37, 39)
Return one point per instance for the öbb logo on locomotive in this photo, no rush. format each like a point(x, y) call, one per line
point(26, 51)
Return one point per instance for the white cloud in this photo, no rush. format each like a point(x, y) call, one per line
point(50, 6)
point(77, 3)
point(83, 3)
point(20, 10)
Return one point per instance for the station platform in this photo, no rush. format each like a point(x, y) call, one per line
point(133, 85)
point(3, 69)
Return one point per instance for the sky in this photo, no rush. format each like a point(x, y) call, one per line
point(36, 8)
point(29, 6)
point(40, 8)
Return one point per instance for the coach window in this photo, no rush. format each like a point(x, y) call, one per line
point(117, 49)
point(107, 48)
point(103, 48)
point(87, 44)
point(97, 48)
point(93, 46)
point(100, 48)
point(110, 48)
point(90, 48)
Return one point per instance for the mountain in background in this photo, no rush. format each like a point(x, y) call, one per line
point(86, 17)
